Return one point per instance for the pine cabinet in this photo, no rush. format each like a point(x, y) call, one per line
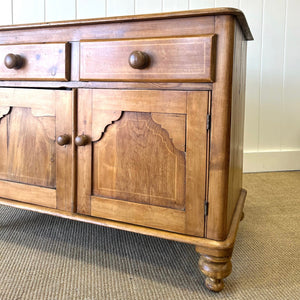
point(135, 123)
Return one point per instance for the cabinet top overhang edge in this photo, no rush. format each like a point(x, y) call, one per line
point(169, 15)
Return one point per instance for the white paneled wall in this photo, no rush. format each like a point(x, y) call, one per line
point(29, 11)
point(56, 10)
point(272, 125)
point(90, 9)
point(5, 12)
point(172, 5)
point(148, 7)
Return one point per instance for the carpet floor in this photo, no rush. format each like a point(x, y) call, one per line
point(44, 257)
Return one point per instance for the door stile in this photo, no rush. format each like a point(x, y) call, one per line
point(84, 153)
point(65, 158)
point(196, 161)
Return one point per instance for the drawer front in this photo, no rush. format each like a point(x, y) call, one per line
point(35, 62)
point(184, 59)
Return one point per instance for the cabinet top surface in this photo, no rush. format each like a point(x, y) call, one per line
point(169, 15)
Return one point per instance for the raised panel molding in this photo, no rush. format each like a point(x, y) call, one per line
point(102, 119)
point(175, 125)
point(135, 150)
point(42, 114)
point(24, 137)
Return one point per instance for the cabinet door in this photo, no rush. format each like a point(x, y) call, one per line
point(33, 167)
point(144, 161)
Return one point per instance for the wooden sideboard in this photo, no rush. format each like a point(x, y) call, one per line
point(134, 123)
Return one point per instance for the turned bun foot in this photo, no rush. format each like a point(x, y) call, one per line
point(215, 285)
point(215, 269)
point(242, 216)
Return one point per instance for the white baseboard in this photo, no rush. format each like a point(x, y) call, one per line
point(271, 161)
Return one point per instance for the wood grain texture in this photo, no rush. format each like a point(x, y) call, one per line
point(197, 103)
point(134, 149)
point(215, 269)
point(28, 148)
point(169, 15)
point(220, 130)
point(28, 133)
point(203, 245)
point(187, 86)
point(131, 161)
point(28, 193)
point(27, 136)
point(41, 62)
point(40, 102)
point(65, 160)
point(140, 214)
point(84, 153)
point(141, 29)
point(237, 123)
point(144, 101)
point(101, 120)
point(184, 59)
point(175, 125)
point(136, 161)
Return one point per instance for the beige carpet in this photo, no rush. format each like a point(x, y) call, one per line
point(44, 257)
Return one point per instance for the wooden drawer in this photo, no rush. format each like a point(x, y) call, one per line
point(184, 59)
point(37, 62)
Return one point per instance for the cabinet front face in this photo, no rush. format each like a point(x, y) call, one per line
point(33, 166)
point(144, 157)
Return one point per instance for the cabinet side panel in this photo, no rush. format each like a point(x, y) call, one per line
point(237, 123)
point(216, 227)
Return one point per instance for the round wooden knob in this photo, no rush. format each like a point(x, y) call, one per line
point(81, 140)
point(13, 61)
point(138, 60)
point(63, 140)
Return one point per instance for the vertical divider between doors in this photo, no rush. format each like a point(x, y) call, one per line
point(74, 150)
point(63, 102)
point(84, 153)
